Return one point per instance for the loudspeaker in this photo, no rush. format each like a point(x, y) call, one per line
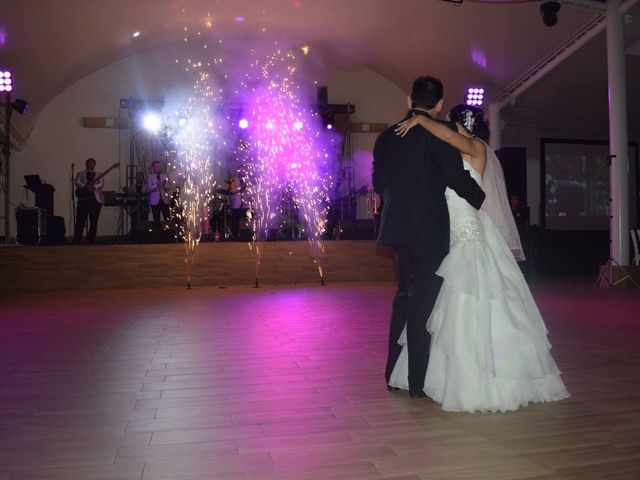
point(245, 235)
point(514, 165)
point(27, 225)
point(322, 95)
point(56, 230)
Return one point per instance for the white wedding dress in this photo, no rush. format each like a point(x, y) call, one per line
point(489, 347)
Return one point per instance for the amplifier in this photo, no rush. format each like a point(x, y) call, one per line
point(28, 225)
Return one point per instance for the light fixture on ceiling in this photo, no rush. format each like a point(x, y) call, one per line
point(136, 34)
point(6, 82)
point(475, 96)
point(549, 12)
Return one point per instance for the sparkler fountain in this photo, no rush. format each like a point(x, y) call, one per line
point(194, 131)
point(285, 149)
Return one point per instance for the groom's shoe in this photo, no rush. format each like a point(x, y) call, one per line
point(418, 394)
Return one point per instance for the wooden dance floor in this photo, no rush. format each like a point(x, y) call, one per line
point(285, 383)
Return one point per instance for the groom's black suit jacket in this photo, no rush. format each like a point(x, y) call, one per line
point(411, 174)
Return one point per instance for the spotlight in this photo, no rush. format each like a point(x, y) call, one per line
point(20, 106)
point(549, 12)
point(475, 96)
point(5, 81)
point(327, 120)
point(297, 125)
point(243, 123)
point(151, 122)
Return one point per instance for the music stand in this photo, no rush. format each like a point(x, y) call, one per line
point(34, 182)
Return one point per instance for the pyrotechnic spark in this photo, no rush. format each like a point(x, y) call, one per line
point(193, 132)
point(285, 153)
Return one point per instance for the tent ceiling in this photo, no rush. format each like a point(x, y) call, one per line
point(50, 45)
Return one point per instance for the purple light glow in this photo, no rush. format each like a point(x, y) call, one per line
point(284, 154)
point(243, 123)
point(478, 57)
point(239, 19)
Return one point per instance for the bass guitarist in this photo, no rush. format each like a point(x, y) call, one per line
point(90, 199)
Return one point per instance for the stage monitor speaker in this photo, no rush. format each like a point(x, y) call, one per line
point(150, 232)
point(514, 165)
point(27, 226)
point(245, 235)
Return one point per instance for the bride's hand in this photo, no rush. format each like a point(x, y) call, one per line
point(405, 126)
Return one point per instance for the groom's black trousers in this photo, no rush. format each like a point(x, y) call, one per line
point(418, 288)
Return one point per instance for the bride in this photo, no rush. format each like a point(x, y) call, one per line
point(489, 347)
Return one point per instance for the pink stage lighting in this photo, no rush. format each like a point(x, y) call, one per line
point(6, 83)
point(475, 96)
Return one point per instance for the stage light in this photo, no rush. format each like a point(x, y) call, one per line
point(549, 12)
point(20, 106)
point(328, 120)
point(151, 122)
point(5, 81)
point(475, 96)
point(297, 125)
point(243, 123)
point(135, 34)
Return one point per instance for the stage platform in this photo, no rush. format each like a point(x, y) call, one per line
point(69, 267)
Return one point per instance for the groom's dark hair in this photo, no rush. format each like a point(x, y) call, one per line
point(426, 92)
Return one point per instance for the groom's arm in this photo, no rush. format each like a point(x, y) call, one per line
point(455, 176)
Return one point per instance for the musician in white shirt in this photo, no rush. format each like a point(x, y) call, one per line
point(89, 185)
point(159, 187)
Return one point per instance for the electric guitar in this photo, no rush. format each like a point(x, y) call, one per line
point(87, 191)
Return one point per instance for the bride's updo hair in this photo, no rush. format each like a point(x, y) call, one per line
point(472, 119)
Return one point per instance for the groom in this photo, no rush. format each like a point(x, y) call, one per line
point(411, 174)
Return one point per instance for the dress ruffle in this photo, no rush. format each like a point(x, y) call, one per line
point(489, 347)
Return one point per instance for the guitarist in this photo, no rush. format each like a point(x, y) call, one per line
point(89, 185)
